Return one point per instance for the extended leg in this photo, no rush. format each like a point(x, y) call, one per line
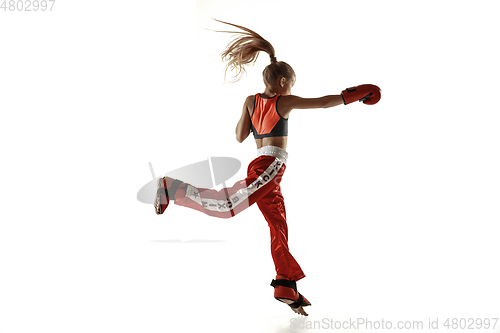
point(261, 175)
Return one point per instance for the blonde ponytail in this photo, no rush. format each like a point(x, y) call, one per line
point(244, 50)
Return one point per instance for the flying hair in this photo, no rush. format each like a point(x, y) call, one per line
point(244, 50)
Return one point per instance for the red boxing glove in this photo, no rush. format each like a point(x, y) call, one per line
point(366, 93)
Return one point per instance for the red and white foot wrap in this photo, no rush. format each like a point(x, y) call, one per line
point(285, 291)
point(166, 189)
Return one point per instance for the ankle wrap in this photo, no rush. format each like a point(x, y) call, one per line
point(284, 283)
point(173, 188)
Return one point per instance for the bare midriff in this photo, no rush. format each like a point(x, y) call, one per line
point(278, 141)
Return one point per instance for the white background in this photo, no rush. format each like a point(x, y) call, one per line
point(393, 209)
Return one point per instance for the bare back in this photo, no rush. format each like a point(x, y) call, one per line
point(286, 104)
point(278, 141)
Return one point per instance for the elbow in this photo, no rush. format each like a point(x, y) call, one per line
point(242, 132)
point(240, 138)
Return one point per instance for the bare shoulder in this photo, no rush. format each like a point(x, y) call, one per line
point(288, 99)
point(290, 102)
point(287, 103)
point(249, 103)
point(250, 99)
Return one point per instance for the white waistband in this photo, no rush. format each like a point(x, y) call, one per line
point(274, 151)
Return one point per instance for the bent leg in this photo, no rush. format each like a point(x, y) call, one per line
point(262, 174)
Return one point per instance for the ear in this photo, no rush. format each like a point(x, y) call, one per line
point(282, 81)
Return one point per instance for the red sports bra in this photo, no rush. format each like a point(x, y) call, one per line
point(265, 118)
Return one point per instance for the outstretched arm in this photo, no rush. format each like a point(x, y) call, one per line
point(366, 93)
point(290, 102)
point(243, 126)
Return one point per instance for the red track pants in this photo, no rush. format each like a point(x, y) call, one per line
point(261, 186)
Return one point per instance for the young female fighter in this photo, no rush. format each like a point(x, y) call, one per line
point(266, 115)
